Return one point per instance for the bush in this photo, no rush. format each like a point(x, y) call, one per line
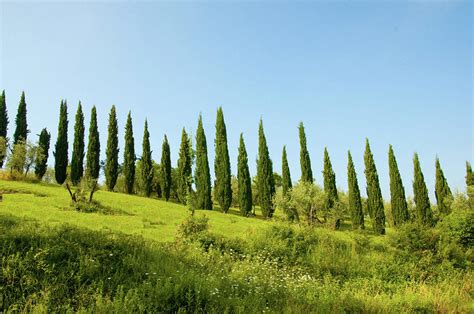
point(192, 226)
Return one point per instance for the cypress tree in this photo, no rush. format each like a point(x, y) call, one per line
point(285, 173)
point(61, 148)
point(422, 202)
point(442, 190)
point(265, 180)
point(223, 188)
point(3, 121)
point(77, 160)
point(469, 175)
point(166, 169)
point(397, 191)
point(112, 151)
point(41, 162)
point(355, 203)
point(305, 161)
point(329, 181)
point(146, 163)
point(374, 195)
point(202, 172)
point(184, 168)
point(21, 131)
point(93, 148)
point(244, 180)
point(129, 156)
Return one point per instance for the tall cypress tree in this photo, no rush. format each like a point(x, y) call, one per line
point(146, 163)
point(355, 203)
point(422, 202)
point(374, 195)
point(166, 169)
point(93, 148)
point(397, 191)
point(41, 162)
point(112, 151)
point(184, 168)
point(77, 160)
point(469, 174)
point(129, 156)
point(442, 190)
point(329, 181)
point(3, 121)
point(244, 180)
point(202, 172)
point(305, 161)
point(265, 180)
point(61, 148)
point(223, 189)
point(285, 173)
point(21, 131)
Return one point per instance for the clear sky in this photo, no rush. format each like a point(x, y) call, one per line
point(396, 72)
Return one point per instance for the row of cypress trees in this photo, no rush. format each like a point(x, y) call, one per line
point(222, 168)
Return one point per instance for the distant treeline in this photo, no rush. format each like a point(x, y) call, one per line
point(304, 201)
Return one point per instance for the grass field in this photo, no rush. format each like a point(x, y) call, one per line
point(139, 259)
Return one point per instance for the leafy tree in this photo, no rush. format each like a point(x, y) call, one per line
point(112, 151)
point(202, 173)
point(305, 161)
point(166, 169)
point(21, 131)
point(285, 173)
point(185, 162)
point(442, 191)
point(93, 148)
point(398, 200)
point(244, 180)
point(223, 188)
point(329, 181)
point(17, 159)
point(61, 148)
point(31, 155)
point(129, 156)
point(355, 203)
point(374, 195)
point(3, 149)
point(422, 202)
point(146, 163)
point(77, 160)
point(265, 179)
point(307, 200)
point(3, 126)
point(41, 163)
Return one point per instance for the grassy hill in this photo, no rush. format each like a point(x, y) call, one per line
point(147, 255)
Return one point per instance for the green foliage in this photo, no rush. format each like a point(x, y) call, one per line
point(146, 163)
point(42, 154)
point(21, 130)
point(443, 194)
point(420, 192)
point(286, 183)
point(192, 227)
point(265, 180)
point(202, 176)
point(185, 162)
point(329, 182)
point(3, 127)
point(469, 174)
point(112, 151)
point(355, 203)
point(129, 157)
point(93, 148)
point(61, 147)
point(305, 161)
point(244, 180)
point(223, 188)
point(374, 195)
point(166, 169)
point(17, 159)
point(398, 200)
point(77, 160)
point(309, 201)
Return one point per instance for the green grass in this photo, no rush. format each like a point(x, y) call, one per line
point(153, 219)
point(54, 259)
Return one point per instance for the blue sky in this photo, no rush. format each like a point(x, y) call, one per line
point(397, 72)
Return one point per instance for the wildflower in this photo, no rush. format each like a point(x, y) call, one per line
point(111, 254)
